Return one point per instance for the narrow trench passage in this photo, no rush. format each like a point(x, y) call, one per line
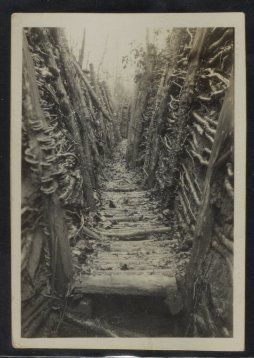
point(127, 237)
point(127, 209)
point(131, 269)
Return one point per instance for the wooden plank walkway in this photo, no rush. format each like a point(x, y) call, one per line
point(134, 255)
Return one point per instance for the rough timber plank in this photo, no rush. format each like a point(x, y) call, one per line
point(120, 190)
point(129, 234)
point(149, 285)
point(143, 273)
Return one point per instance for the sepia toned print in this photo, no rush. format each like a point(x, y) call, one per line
point(129, 157)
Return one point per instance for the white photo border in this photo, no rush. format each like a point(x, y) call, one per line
point(169, 20)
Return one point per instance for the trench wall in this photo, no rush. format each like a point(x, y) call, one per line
point(68, 131)
point(185, 150)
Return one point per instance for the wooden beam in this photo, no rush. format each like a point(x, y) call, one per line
point(91, 91)
point(150, 285)
point(138, 272)
point(123, 190)
point(82, 50)
point(136, 233)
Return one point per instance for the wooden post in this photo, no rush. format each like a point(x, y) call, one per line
point(92, 92)
point(82, 49)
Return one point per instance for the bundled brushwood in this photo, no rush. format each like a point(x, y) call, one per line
point(115, 125)
point(209, 238)
point(122, 106)
point(213, 248)
point(107, 127)
point(189, 161)
point(108, 97)
point(124, 115)
point(63, 112)
point(222, 142)
point(203, 118)
point(179, 101)
point(41, 158)
point(94, 96)
point(61, 156)
point(80, 108)
point(147, 83)
point(172, 72)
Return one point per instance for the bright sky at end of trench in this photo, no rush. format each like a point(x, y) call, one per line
point(112, 37)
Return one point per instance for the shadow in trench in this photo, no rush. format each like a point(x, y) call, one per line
point(121, 316)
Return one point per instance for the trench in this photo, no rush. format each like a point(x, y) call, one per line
point(127, 201)
point(129, 276)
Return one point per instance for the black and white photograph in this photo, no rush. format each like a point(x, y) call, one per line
point(128, 180)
